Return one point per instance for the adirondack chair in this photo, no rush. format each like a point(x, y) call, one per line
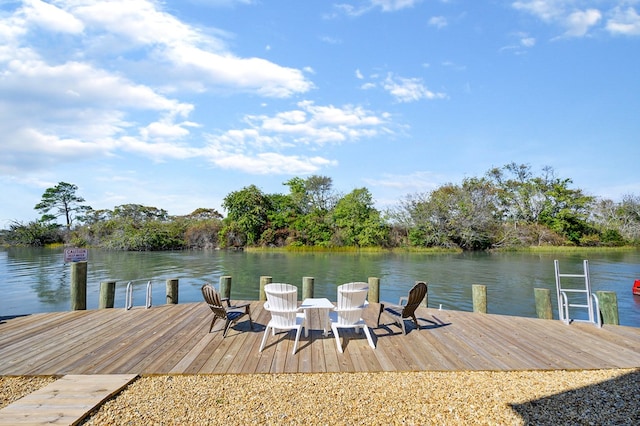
point(406, 307)
point(348, 312)
point(282, 303)
point(230, 313)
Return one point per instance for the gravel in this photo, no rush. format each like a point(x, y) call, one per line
point(584, 397)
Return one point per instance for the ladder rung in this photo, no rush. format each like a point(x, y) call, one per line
point(572, 275)
point(572, 290)
point(578, 306)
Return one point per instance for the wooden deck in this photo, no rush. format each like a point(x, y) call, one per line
point(174, 339)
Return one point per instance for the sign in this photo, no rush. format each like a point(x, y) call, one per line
point(76, 255)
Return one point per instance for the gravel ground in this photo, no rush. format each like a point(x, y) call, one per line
point(586, 397)
point(13, 388)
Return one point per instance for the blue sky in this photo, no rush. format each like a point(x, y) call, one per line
point(175, 104)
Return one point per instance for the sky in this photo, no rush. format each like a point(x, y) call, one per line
point(176, 104)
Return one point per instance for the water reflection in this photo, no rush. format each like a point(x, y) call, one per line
point(37, 280)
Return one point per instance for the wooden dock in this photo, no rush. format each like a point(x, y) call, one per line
point(174, 339)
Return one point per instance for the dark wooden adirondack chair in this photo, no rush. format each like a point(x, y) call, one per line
point(230, 313)
point(406, 307)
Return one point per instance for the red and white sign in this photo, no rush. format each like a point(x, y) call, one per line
point(76, 255)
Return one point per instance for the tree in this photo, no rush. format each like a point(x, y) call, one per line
point(247, 212)
point(357, 222)
point(63, 198)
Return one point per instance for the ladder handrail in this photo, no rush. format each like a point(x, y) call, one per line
point(149, 295)
point(128, 304)
point(563, 298)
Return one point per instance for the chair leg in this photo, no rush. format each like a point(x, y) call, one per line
point(213, 321)
point(335, 334)
point(380, 313)
point(295, 344)
point(368, 334)
point(264, 338)
point(227, 326)
point(248, 311)
point(404, 330)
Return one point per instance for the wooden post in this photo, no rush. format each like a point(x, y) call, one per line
point(480, 298)
point(543, 303)
point(225, 286)
point(608, 302)
point(374, 290)
point(264, 280)
point(107, 294)
point(78, 286)
point(307, 287)
point(172, 291)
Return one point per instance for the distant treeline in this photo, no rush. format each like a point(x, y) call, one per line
point(509, 207)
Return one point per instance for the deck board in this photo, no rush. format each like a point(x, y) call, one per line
point(175, 339)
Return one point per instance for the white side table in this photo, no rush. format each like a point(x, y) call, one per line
point(324, 305)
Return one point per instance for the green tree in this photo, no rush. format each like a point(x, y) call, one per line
point(357, 222)
point(247, 212)
point(64, 200)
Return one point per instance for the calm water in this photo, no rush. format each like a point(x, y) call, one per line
point(37, 280)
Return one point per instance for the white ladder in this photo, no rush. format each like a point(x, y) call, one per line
point(584, 302)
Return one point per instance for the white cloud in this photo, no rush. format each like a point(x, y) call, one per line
point(547, 10)
point(62, 101)
point(409, 89)
point(579, 17)
point(262, 146)
point(625, 22)
point(438, 22)
point(393, 5)
point(580, 22)
point(50, 17)
point(384, 5)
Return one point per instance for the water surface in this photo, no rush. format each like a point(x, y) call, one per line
point(37, 280)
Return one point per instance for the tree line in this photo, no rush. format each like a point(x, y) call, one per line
point(508, 207)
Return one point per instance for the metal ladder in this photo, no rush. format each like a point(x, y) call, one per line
point(128, 304)
point(585, 303)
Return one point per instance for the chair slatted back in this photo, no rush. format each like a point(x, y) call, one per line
point(282, 302)
point(416, 295)
point(212, 297)
point(352, 299)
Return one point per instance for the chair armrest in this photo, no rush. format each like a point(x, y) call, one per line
point(404, 299)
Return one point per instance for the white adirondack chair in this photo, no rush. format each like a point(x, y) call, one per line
point(348, 312)
point(282, 303)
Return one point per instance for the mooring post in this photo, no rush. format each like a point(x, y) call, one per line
point(374, 290)
point(479, 298)
point(307, 287)
point(78, 286)
point(107, 294)
point(225, 286)
point(264, 280)
point(172, 291)
point(543, 303)
point(608, 302)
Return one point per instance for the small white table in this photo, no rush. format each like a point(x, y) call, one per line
point(324, 306)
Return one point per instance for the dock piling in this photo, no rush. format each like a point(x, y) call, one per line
point(79, 286)
point(479, 298)
point(543, 303)
point(107, 294)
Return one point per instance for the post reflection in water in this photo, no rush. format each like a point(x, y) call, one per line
point(37, 280)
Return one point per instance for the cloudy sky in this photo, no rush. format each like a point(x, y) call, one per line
point(175, 104)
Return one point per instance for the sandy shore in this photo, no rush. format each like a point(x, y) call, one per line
point(592, 397)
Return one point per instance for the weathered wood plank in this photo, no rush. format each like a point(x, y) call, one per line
point(175, 339)
point(65, 401)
